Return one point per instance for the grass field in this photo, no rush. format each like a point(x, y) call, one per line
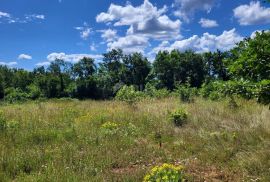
point(71, 140)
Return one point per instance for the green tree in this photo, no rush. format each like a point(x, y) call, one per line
point(164, 70)
point(84, 72)
point(136, 69)
point(250, 58)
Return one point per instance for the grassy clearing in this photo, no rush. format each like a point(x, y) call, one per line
point(112, 141)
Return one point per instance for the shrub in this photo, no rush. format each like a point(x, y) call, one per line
point(212, 90)
point(264, 92)
point(15, 95)
point(186, 93)
point(3, 122)
point(165, 172)
point(34, 91)
point(179, 117)
point(152, 92)
point(128, 94)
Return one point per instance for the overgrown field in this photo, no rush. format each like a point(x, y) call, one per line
point(71, 140)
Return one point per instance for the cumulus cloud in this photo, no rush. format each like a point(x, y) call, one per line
point(109, 34)
point(206, 23)
point(3, 14)
point(73, 58)
point(84, 31)
point(8, 63)
point(207, 42)
point(24, 56)
point(45, 63)
point(93, 47)
point(187, 8)
point(252, 14)
point(253, 34)
point(129, 44)
point(145, 20)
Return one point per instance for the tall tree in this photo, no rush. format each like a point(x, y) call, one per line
point(250, 58)
point(137, 69)
point(84, 72)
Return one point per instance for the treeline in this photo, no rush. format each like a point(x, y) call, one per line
point(244, 70)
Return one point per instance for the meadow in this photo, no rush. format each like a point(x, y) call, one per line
point(72, 140)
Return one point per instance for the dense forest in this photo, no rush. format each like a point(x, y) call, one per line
point(243, 70)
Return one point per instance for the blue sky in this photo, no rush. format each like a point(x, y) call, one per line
point(35, 32)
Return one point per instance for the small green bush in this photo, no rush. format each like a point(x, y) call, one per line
point(128, 94)
point(166, 172)
point(152, 92)
point(179, 117)
point(186, 93)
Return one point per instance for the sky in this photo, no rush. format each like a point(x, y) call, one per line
point(35, 32)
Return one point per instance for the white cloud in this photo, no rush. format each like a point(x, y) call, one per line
point(129, 44)
point(26, 19)
point(207, 42)
point(145, 20)
point(8, 63)
point(206, 23)
point(187, 8)
point(253, 34)
point(73, 58)
point(85, 31)
point(109, 34)
point(34, 17)
point(24, 56)
point(252, 14)
point(46, 63)
point(93, 47)
point(3, 14)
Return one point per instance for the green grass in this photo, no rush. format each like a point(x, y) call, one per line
point(63, 140)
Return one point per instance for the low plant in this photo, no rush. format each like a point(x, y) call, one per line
point(109, 128)
point(164, 173)
point(186, 93)
point(128, 94)
point(179, 117)
point(3, 122)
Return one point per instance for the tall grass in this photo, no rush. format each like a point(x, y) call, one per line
point(63, 140)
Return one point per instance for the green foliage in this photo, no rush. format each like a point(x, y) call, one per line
point(250, 59)
point(164, 173)
point(212, 90)
point(3, 121)
point(186, 93)
point(152, 92)
point(128, 94)
point(15, 95)
point(109, 128)
point(34, 91)
point(264, 92)
point(246, 89)
point(179, 117)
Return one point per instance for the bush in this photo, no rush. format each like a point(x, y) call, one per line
point(152, 92)
point(15, 95)
point(3, 122)
point(179, 117)
point(186, 93)
point(166, 172)
point(128, 94)
point(264, 92)
point(212, 90)
point(34, 92)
